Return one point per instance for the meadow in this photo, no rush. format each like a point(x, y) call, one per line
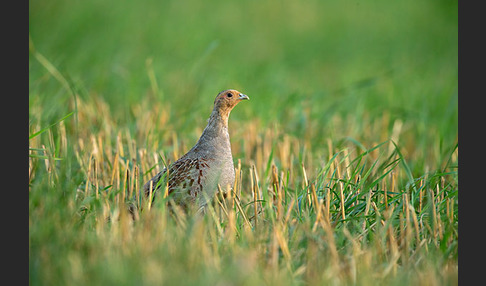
point(346, 155)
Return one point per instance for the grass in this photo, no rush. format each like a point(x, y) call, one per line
point(346, 155)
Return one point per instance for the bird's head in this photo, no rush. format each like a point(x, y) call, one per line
point(227, 99)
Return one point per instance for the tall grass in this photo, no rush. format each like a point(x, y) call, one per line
point(356, 215)
point(346, 155)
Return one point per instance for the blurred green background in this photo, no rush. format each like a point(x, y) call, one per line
point(301, 62)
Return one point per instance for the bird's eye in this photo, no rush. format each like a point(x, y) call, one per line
point(229, 94)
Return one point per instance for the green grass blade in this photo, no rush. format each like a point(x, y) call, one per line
point(50, 126)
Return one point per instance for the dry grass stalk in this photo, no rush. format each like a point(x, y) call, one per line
point(435, 226)
point(289, 211)
point(125, 181)
point(328, 206)
point(88, 176)
point(149, 202)
point(367, 209)
point(240, 209)
point(255, 197)
point(97, 185)
point(277, 191)
point(392, 244)
point(331, 243)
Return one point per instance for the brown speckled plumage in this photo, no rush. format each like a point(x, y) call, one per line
point(208, 164)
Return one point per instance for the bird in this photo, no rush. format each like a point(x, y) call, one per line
point(193, 179)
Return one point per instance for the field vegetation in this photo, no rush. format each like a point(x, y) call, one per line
point(346, 155)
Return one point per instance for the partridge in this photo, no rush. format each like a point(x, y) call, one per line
point(195, 177)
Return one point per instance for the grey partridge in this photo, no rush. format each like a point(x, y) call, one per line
point(196, 175)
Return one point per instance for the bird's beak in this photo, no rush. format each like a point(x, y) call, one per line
point(243, 96)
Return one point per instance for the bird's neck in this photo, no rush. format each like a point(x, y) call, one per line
point(217, 128)
point(219, 119)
